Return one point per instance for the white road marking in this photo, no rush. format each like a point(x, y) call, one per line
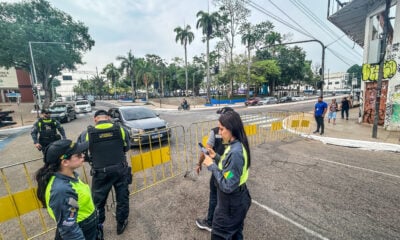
point(272, 211)
point(360, 168)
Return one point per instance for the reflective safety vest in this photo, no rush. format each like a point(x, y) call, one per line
point(48, 131)
point(106, 145)
point(85, 203)
point(245, 171)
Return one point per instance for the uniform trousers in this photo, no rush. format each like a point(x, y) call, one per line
point(230, 213)
point(102, 182)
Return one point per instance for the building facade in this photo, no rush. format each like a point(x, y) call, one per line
point(363, 22)
point(15, 81)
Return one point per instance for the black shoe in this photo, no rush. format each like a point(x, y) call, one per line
point(121, 226)
point(315, 132)
point(203, 224)
point(322, 133)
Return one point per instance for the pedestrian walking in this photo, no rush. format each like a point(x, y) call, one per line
point(108, 143)
point(68, 200)
point(345, 106)
point(215, 141)
point(333, 106)
point(44, 131)
point(231, 175)
point(320, 109)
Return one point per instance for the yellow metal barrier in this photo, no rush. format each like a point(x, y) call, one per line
point(151, 164)
point(160, 161)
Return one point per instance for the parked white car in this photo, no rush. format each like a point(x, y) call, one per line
point(268, 100)
point(298, 98)
point(82, 106)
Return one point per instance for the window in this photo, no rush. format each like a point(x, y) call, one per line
point(67, 77)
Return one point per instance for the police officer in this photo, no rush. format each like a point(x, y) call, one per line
point(231, 175)
point(108, 143)
point(46, 128)
point(67, 199)
point(215, 142)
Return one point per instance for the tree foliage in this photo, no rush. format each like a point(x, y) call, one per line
point(37, 21)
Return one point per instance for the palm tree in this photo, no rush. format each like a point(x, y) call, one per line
point(185, 36)
point(128, 65)
point(112, 74)
point(248, 39)
point(209, 24)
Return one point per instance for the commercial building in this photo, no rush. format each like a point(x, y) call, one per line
point(15, 82)
point(363, 21)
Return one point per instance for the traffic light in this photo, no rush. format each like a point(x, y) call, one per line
point(320, 84)
point(34, 90)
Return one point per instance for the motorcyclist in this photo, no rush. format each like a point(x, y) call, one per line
point(184, 104)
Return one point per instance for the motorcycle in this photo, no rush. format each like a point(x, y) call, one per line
point(180, 108)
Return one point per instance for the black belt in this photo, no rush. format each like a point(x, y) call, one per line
point(112, 168)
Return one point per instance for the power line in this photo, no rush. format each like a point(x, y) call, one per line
point(263, 10)
point(306, 11)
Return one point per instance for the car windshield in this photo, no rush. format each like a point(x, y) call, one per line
point(137, 113)
point(59, 108)
point(82, 103)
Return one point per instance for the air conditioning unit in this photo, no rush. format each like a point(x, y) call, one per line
point(374, 51)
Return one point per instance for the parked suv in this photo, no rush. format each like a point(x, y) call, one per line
point(253, 101)
point(62, 112)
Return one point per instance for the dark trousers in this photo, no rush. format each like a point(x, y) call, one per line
point(229, 215)
point(88, 226)
point(212, 202)
point(320, 123)
point(345, 110)
point(102, 183)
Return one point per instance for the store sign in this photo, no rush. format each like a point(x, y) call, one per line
point(8, 78)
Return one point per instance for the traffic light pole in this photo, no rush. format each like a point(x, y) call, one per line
point(34, 75)
point(322, 61)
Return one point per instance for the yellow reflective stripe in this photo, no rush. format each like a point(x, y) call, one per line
point(245, 171)
point(105, 126)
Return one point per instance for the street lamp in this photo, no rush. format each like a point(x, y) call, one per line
point(33, 64)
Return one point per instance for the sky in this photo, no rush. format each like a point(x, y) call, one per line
point(146, 27)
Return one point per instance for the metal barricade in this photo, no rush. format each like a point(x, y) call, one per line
point(19, 204)
point(163, 157)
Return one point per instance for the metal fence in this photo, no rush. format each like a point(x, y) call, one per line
point(151, 164)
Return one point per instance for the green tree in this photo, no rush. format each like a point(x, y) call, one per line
point(113, 74)
point(249, 39)
point(265, 71)
point(38, 21)
point(185, 36)
point(234, 14)
point(355, 71)
point(128, 65)
point(209, 24)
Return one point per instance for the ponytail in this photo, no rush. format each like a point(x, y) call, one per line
point(42, 177)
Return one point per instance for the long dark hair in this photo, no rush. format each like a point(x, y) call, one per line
point(231, 120)
point(43, 176)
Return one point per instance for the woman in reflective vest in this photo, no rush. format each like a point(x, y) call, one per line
point(67, 199)
point(231, 175)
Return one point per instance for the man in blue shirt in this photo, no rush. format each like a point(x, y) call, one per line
point(320, 109)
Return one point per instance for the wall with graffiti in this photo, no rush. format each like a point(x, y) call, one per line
point(369, 102)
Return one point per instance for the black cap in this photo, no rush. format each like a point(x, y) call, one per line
point(63, 149)
point(45, 111)
point(101, 112)
point(224, 110)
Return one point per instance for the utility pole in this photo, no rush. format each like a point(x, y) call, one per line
point(322, 62)
point(381, 65)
